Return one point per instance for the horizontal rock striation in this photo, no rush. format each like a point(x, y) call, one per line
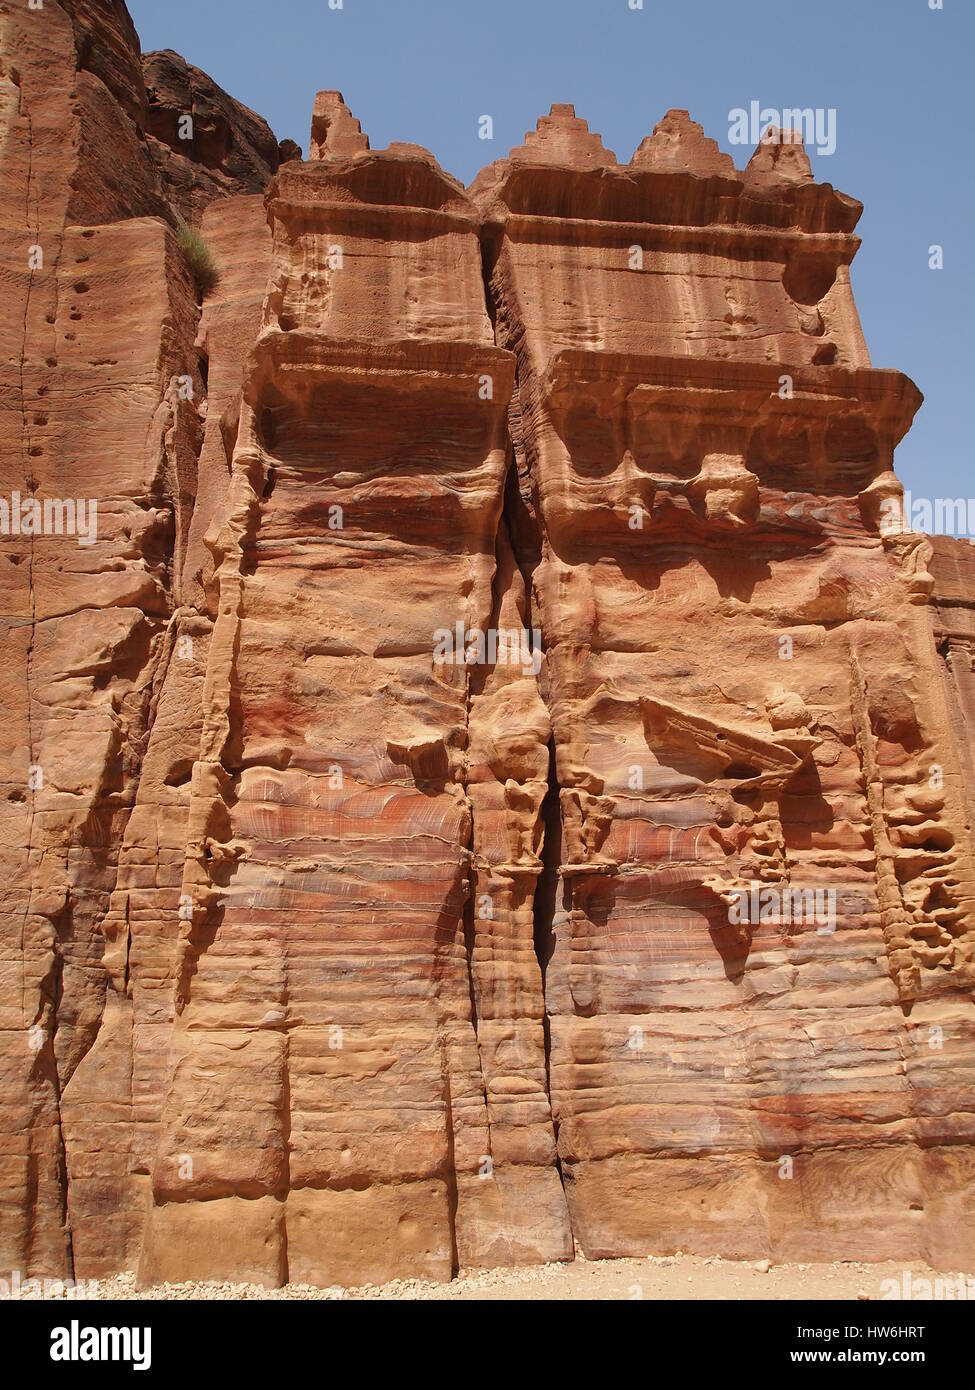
point(494, 783)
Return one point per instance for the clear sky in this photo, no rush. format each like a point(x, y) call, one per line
point(897, 73)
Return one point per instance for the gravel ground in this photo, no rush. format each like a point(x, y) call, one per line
point(656, 1277)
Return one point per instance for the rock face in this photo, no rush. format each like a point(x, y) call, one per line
point(102, 402)
point(496, 784)
point(205, 144)
point(744, 692)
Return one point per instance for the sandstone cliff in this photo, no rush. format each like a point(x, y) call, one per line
point(490, 595)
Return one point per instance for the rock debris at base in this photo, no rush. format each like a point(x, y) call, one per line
point(654, 1278)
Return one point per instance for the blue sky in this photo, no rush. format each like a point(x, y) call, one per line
point(897, 73)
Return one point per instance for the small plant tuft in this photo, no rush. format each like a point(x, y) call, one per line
point(199, 258)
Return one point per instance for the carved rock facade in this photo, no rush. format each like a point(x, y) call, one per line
point(496, 785)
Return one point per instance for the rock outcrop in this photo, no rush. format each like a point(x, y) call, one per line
point(102, 411)
point(205, 144)
point(744, 692)
point(491, 784)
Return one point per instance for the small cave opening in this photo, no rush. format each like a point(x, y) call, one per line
point(741, 772)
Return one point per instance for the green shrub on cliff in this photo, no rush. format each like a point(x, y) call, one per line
point(199, 258)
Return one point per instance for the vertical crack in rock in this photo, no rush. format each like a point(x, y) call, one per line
point(453, 1199)
point(59, 925)
point(469, 939)
point(521, 525)
point(469, 926)
point(509, 772)
point(286, 1123)
point(544, 907)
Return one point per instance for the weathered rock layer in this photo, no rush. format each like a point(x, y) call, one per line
point(492, 593)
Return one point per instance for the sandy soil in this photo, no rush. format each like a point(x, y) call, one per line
point(657, 1277)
